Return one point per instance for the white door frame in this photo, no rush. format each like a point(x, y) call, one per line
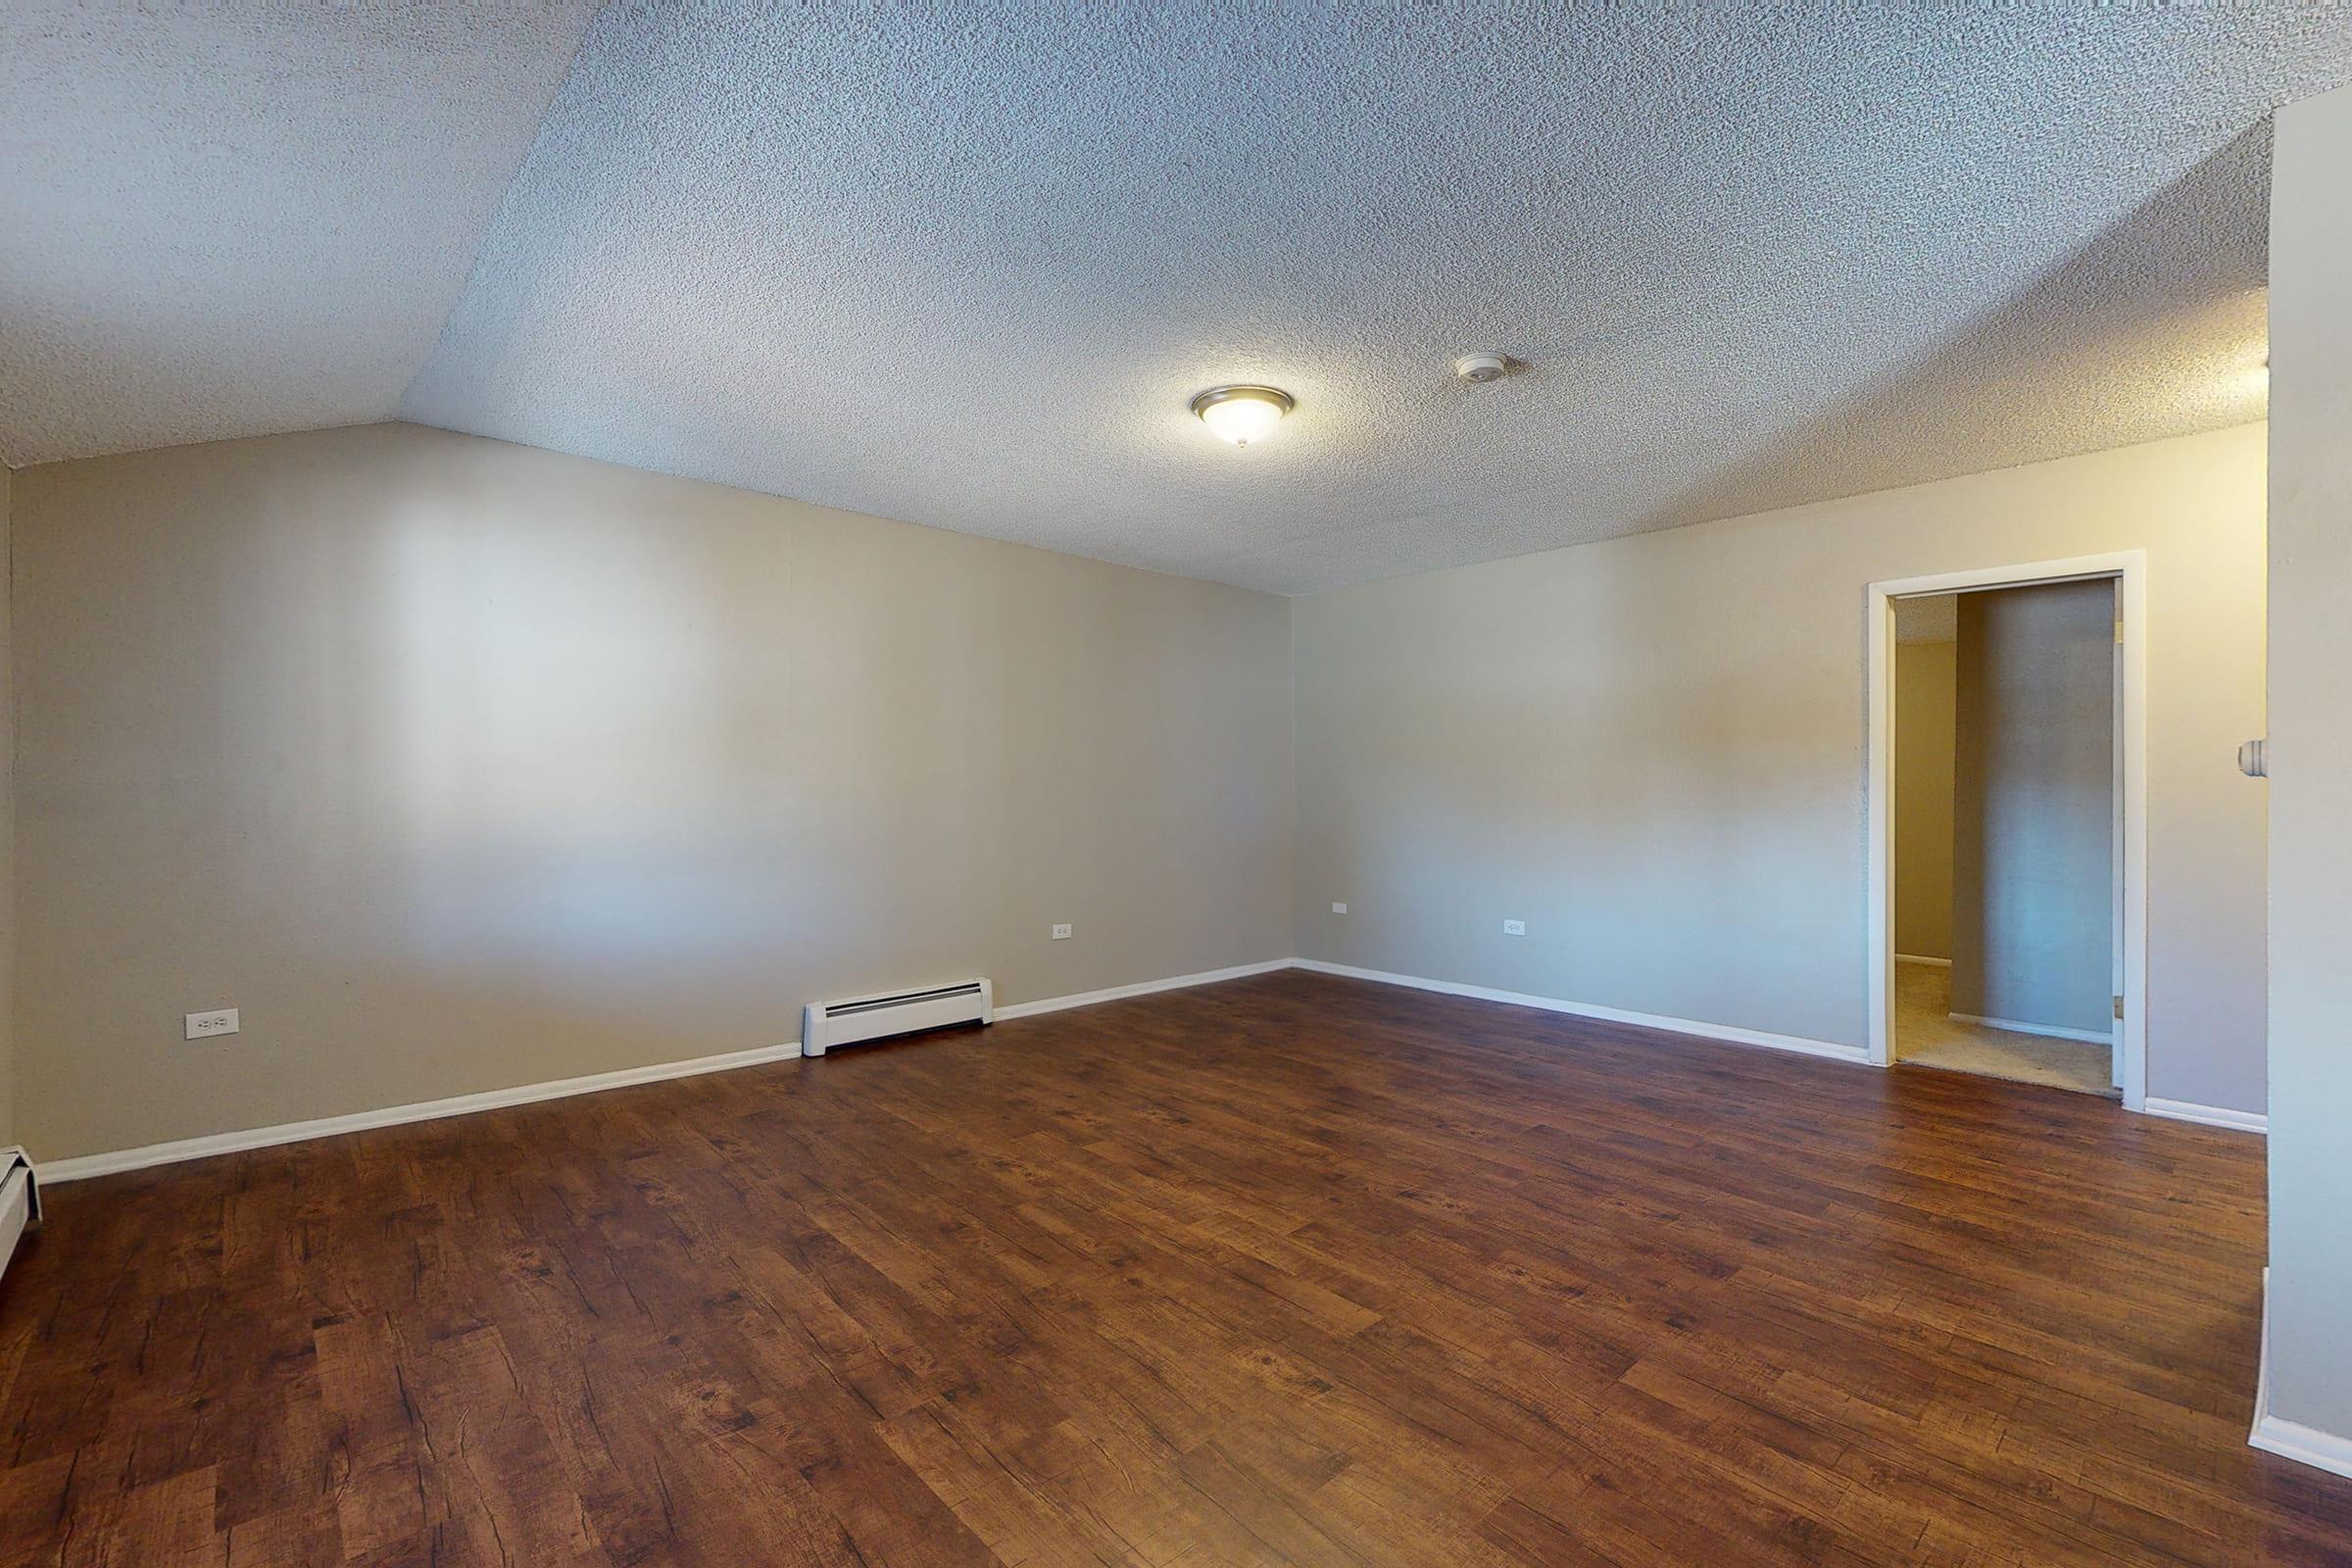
point(2130, 567)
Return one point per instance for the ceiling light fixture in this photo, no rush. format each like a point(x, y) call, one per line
point(1242, 415)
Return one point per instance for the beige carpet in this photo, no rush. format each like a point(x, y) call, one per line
point(1926, 1035)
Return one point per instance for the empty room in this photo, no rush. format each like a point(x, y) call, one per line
point(1024, 784)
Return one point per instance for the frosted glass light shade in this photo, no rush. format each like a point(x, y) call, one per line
point(1242, 415)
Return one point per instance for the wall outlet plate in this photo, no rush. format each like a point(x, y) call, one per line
point(205, 1025)
point(1061, 933)
point(1514, 928)
point(1339, 908)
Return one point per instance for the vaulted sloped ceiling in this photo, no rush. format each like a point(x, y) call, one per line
point(226, 219)
point(963, 265)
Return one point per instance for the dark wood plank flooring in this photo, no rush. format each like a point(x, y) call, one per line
point(1292, 1269)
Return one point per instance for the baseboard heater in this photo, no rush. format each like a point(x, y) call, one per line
point(20, 1200)
point(825, 1024)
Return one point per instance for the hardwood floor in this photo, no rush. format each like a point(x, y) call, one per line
point(1290, 1269)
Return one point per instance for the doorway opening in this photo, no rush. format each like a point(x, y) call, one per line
point(2007, 915)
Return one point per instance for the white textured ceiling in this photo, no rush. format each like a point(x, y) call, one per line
point(965, 266)
point(226, 219)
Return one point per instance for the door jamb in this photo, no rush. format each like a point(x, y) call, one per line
point(2130, 567)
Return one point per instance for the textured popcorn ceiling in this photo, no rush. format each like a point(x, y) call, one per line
point(237, 218)
point(963, 265)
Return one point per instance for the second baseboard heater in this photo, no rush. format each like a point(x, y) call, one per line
point(20, 1200)
point(824, 1024)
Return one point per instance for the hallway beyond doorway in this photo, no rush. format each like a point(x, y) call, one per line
point(1926, 1035)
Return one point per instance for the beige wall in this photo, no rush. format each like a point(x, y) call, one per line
point(457, 765)
point(2033, 800)
point(7, 823)
point(1651, 751)
point(1923, 800)
point(2310, 764)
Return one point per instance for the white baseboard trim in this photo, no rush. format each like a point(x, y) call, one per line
point(230, 1143)
point(292, 1131)
point(2291, 1440)
point(2089, 1037)
point(2244, 1121)
point(1920, 957)
point(1586, 1010)
point(1142, 987)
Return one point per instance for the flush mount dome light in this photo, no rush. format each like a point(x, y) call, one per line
point(1242, 415)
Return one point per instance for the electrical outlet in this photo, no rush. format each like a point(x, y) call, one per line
point(1061, 933)
point(1339, 908)
point(205, 1025)
point(1514, 928)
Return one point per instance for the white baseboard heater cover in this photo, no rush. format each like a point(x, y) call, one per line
point(20, 1200)
point(825, 1024)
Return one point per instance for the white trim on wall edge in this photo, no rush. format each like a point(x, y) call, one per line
point(2244, 1121)
point(1586, 1010)
point(232, 1143)
point(2130, 569)
point(2089, 1037)
point(293, 1132)
point(1142, 987)
point(1920, 957)
point(2291, 1440)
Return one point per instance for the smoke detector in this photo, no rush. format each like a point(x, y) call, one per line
point(1481, 368)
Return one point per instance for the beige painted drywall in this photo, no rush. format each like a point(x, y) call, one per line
point(2310, 765)
point(456, 765)
point(2034, 807)
point(1923, 800)
point(1651, 751)
point(7, 823)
